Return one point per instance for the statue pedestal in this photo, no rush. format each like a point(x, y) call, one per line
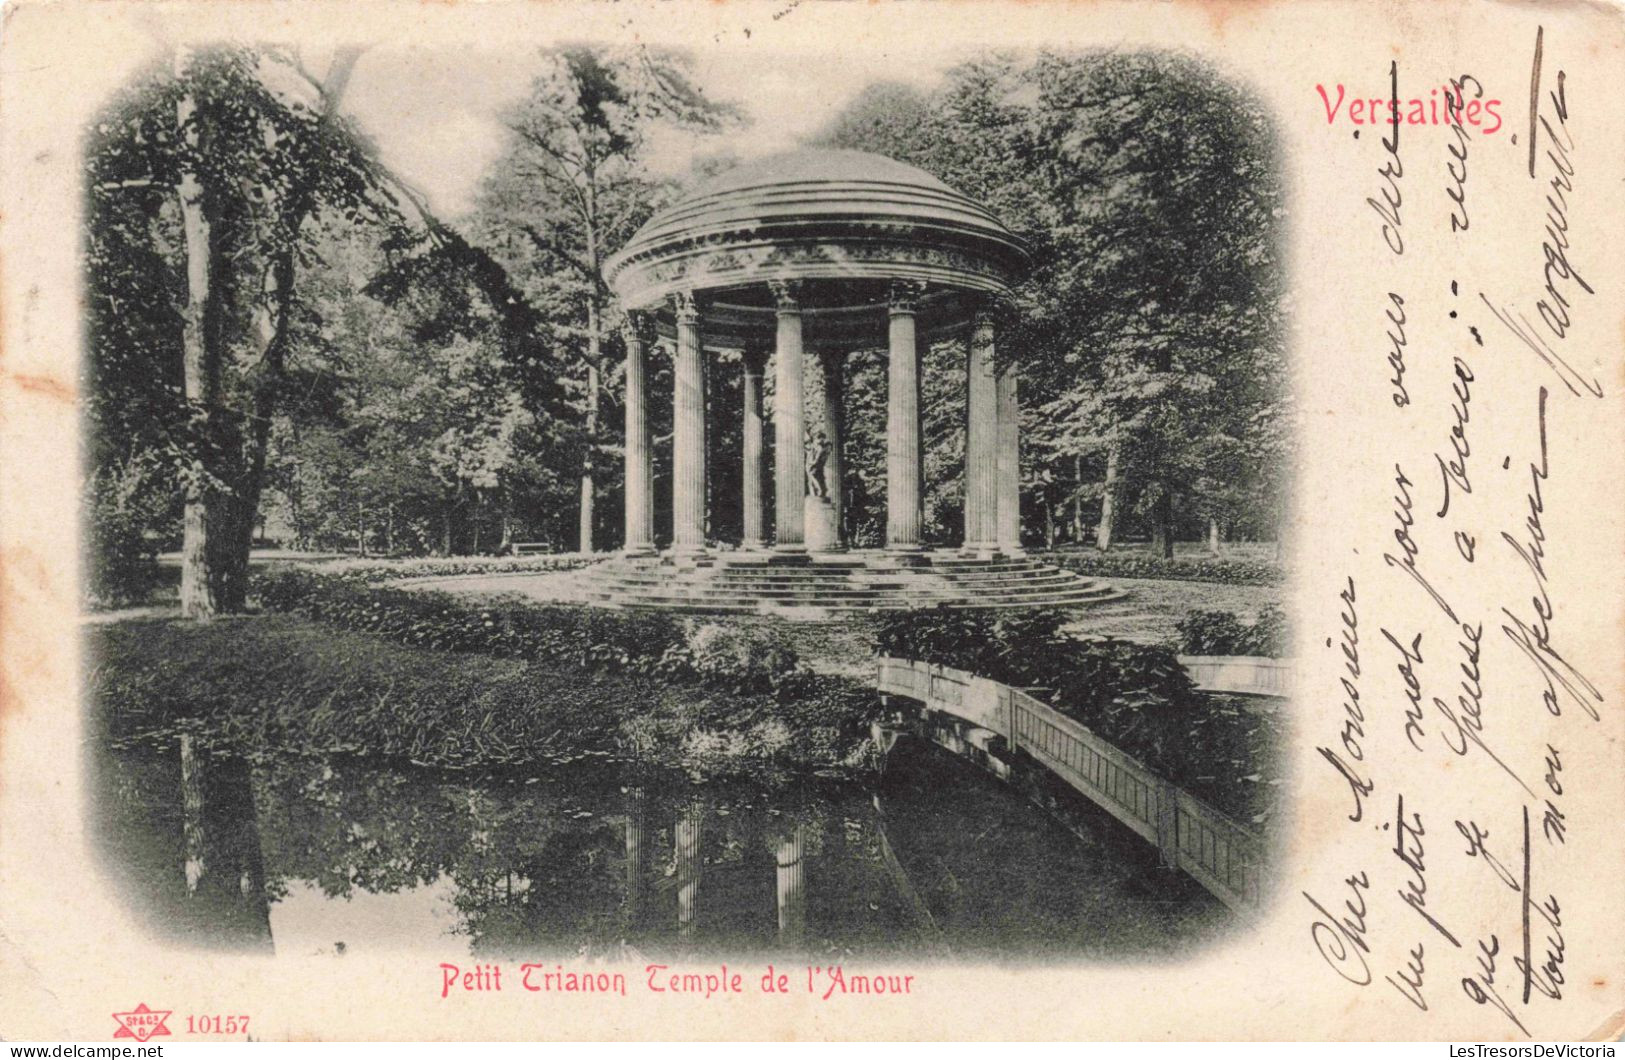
point(822, 533)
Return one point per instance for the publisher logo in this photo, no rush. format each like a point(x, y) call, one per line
point(141, 1024)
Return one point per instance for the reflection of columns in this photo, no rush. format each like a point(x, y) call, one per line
point(755, 363)
point(981, 439)
point(686, 837)
point(640, 505)
point(831, 364)
point(792, 886)
point(789, 452)
point(634, 857)
point(903, 509)
point(1009, 462)
point(688, 431)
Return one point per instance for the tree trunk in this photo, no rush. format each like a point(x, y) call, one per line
point(1162, 524)
point(200, 360)
point(1108, 503)
point(1212, 535)
point(595, 342)
point(445, 527)
point(584, 531)
point(223, 496)
point(389, 528)
point(1049, 524)
point(1077, 500)
point(506, 545)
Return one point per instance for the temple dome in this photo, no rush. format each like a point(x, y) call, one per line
point(818, 215)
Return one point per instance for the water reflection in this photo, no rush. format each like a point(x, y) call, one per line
point(311, 855)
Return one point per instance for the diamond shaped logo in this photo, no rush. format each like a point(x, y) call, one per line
point(141, 1023)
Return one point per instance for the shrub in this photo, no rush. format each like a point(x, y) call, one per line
point(581, 637)
point(1125, 564)
point(1211, 633)
point(1137, 696)
point(712, 655)
point(745, 660)
point(121, 565)
point(1269, 635)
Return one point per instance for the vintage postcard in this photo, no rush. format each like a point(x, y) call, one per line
point(799, 520)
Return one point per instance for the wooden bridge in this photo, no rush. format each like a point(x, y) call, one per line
point(1222, 855)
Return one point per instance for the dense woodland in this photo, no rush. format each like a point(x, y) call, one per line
point(284, 339)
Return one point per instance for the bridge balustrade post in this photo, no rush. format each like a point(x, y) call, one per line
point(1167, 797)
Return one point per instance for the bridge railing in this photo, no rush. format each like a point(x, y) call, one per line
point(1248, 675)
point(1219, 853)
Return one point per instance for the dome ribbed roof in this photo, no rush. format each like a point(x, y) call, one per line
point(818, 164)
point(817, 214)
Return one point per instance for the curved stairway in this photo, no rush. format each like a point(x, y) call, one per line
point(813, 588)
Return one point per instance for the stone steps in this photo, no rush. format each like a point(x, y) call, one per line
point(816, 587)
point(857, 599)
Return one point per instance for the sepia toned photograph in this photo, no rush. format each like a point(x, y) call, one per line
point(783, 520)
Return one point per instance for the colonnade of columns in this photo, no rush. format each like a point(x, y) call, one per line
point(992, 447)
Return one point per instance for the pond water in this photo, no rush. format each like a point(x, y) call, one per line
point(934, 859)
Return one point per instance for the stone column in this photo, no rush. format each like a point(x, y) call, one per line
point(790, 447)
point(755, 536)
point(903, 502)
point(688, 431)
point(640, 505)
point(1009, 462)
point(832, 364)
point(981, 439)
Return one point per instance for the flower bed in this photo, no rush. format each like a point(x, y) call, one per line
point(379, 570)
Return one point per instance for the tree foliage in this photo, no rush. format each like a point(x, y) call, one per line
point(1146, 187)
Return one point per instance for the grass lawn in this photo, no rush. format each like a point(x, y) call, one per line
point(1154, 607)
point(281, 681)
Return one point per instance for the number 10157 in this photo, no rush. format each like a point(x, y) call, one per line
point(216, 1024)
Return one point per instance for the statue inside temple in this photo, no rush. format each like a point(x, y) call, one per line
point(817, 462)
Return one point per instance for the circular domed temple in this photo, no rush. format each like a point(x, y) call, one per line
point(793, 261)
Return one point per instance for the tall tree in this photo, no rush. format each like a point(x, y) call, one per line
point(1149, 330)
point(224, 165)
point(573, 185)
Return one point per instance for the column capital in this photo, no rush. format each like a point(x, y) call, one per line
point(685, 306)
point(991, 312)
point(754, 361)
point(786, 295)
point(638, 326)
point(903, 296)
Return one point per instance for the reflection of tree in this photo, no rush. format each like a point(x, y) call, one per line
point(223, 868)
point(347, 829)
point(189, 861)
point(575, 865)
